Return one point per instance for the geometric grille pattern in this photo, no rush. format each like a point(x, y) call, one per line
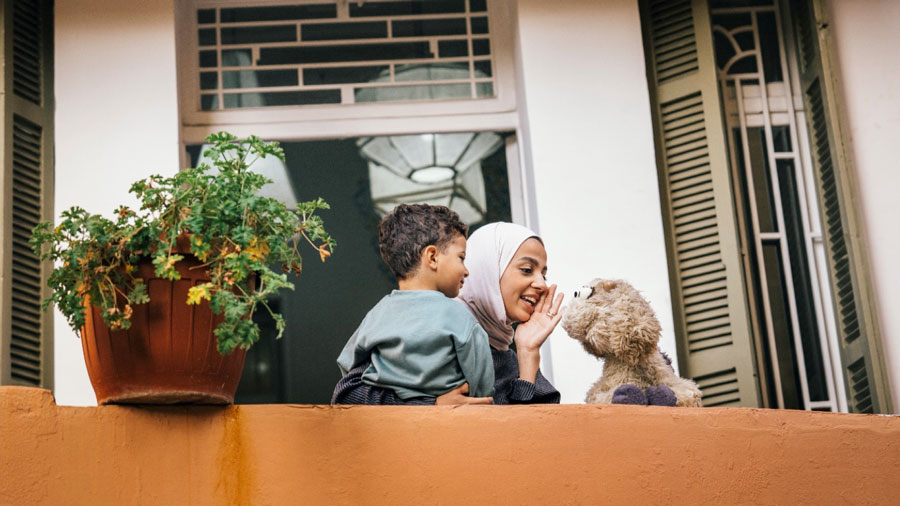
point(343, 53)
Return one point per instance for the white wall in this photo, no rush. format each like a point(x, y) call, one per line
point(116, 120)
point(586, 119)
point(865, 38)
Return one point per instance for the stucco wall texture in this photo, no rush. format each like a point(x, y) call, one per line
point(570, 454)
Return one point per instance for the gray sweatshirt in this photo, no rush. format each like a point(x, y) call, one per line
point(420, 343)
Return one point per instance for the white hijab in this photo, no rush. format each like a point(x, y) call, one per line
point(488, 252)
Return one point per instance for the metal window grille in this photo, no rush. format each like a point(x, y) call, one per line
point(770, 155)
point(293, 54)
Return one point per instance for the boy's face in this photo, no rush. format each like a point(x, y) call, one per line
point(451, 272)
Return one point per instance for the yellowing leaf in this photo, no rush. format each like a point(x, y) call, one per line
point(257, 249)
point(323, 252)
point(198, 293)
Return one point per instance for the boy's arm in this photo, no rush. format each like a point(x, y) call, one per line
point(347, 357)
point(474, 355)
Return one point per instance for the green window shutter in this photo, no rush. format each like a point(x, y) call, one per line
point(26, 336)
point(860, 341)
point(705, 266)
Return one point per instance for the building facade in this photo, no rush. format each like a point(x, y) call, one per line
point(727, 158)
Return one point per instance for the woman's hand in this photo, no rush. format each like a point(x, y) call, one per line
point(458, 396)
point(531, 335)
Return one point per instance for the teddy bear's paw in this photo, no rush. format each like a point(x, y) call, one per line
point(629, 394)
point(660, 396)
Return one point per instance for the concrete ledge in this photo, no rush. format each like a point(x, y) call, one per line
point(570, 454)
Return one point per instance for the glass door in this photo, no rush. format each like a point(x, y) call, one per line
point(362, 179)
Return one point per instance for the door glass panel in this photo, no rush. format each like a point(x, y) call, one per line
point(361, 179)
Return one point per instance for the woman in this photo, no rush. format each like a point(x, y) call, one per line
point(507, 293)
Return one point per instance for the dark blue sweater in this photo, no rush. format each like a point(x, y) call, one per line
point(508, 387)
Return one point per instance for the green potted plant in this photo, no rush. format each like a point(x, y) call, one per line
point(163, 296)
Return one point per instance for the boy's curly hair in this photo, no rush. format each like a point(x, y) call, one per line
point(410, 228)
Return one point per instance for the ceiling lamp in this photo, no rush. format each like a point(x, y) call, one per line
point(442, 169)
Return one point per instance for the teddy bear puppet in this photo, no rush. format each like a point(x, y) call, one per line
point(614, 322)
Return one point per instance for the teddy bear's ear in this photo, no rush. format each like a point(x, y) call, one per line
point(640, 342)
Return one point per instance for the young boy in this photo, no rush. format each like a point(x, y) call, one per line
point(418, 340)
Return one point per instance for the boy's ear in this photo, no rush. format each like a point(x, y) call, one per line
point(429, 256)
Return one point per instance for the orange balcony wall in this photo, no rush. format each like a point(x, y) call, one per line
point(548, 455)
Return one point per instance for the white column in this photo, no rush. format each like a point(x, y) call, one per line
point(116, 122)
point(586, 120)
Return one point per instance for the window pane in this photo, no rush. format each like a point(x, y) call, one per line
point(337, 31)
point(481, 47)
point(781, 138)
point(259, 34)
point(362, 9)
point(205, 16)
point(768, 41)
point(484, 89)
point(420, 92)
point(283, 12)
point(342, 53)
point(429, 27)
point(803, 294)
point(206, 36)
point(479, 25)
point(453, 48)
point(762, 188)
point(259, 78)
point(432, 71)
point(237, 57)
point(781, 327)
point(209, 80)
point(208, 59)
point(339, 75)
point(209, 102)
point(238, 100)
point(483, 68)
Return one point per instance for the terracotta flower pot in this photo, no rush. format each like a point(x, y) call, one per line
point(169, 354)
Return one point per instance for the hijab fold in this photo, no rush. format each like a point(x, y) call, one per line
point(489, 250)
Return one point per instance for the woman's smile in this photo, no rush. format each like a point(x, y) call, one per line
point(529, 301)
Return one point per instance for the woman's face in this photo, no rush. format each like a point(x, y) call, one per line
point(523, 283)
